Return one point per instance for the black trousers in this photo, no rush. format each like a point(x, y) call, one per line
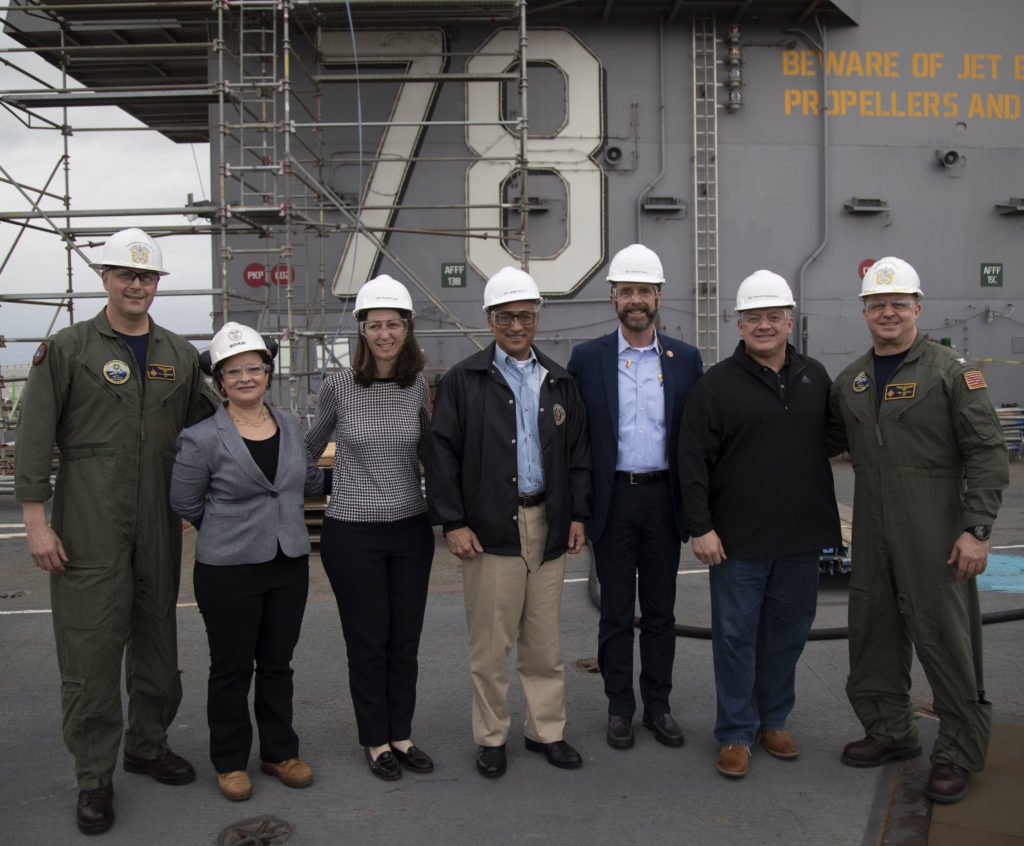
point(380, 573)
point(638, 556)
point(253, 615)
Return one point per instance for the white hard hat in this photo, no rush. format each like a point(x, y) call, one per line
point(891, 275)
point(131, 248)
point(764, 289)
point(234, 338)
point(383, 292)
point(636, 263)
point(510, 285)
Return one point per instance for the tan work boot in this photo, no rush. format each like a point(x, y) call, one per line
point(734, 760)
point(780, 743)
point(235, 785)
point(292, 773)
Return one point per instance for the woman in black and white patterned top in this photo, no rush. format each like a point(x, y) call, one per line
point(377, 543)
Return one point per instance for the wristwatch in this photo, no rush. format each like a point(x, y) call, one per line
point(980, 532)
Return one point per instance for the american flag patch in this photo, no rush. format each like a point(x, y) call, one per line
point(975, 379)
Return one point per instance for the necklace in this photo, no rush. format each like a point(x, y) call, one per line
point(252, 424)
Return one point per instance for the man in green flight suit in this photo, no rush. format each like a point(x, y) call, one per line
point(931, 465)
point(113, 393)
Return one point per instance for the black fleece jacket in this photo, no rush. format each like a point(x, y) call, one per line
point(753, 463)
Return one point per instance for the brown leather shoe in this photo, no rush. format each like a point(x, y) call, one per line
point(870, 753)
point(780, 743)
point(947, 783)
point(734, 760)
point(292, 773)
point(235, 785)
point(95, 810)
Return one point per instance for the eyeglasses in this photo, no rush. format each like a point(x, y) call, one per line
point(377, 327)
point(774, 318)
point(234, 371)
point(125, 275)
point(879, 306)
point(628, 292)
point(507, 318)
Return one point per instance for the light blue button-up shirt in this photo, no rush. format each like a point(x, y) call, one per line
point(642, 437)
point(525, 379)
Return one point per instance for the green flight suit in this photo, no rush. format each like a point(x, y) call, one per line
point(929, 461)
point(116, 430)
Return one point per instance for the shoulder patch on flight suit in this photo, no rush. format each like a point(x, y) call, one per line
point(160, 371)
point(39, 354)
point(860, 382)
point(116, 371)
point(559, 413)
point(975, 379)
point(903, 391)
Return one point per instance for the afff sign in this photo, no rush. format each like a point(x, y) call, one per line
point(992, 275)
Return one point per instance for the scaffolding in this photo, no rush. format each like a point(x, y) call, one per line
point(249, 77)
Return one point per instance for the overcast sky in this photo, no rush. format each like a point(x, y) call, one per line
point(108, 170)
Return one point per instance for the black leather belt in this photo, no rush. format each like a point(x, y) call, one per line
point(531, 500)
point(641, 478)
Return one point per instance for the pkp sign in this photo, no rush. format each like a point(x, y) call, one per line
point(255, 274)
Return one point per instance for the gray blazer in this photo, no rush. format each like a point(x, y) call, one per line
point(241, 516)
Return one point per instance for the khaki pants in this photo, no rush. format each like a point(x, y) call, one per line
point(516, 599)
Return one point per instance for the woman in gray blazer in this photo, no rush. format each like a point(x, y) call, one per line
point(239, 478)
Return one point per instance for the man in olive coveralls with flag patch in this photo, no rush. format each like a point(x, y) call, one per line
point(931, 466)
point(112, 393)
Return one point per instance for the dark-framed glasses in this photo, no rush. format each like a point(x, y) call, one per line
point(125, 275)
point(629, 292)
point(507, 318)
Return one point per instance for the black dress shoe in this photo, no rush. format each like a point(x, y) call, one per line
point(666, 730)
point(167, 768)
point(559, 753)
point(620, 731)
point(95, 811)
point(490, 761)
point(413, 759)
point(384, 766)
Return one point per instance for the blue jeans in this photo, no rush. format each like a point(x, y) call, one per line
point(761, 614)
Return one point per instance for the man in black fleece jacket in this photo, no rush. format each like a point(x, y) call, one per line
point(760, 505)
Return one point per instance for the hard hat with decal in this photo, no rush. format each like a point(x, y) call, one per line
point(234, 338)
point(764, 289)
point(510, 285)
point(382, 292)
point(891, 275)
point(636, 263)
point(131, 248)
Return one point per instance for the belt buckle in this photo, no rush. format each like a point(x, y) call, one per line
point(633, 478)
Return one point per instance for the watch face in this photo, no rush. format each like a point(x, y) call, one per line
point(981, 532)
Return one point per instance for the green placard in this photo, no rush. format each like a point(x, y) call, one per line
point(453, 275)
point(992, 275)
